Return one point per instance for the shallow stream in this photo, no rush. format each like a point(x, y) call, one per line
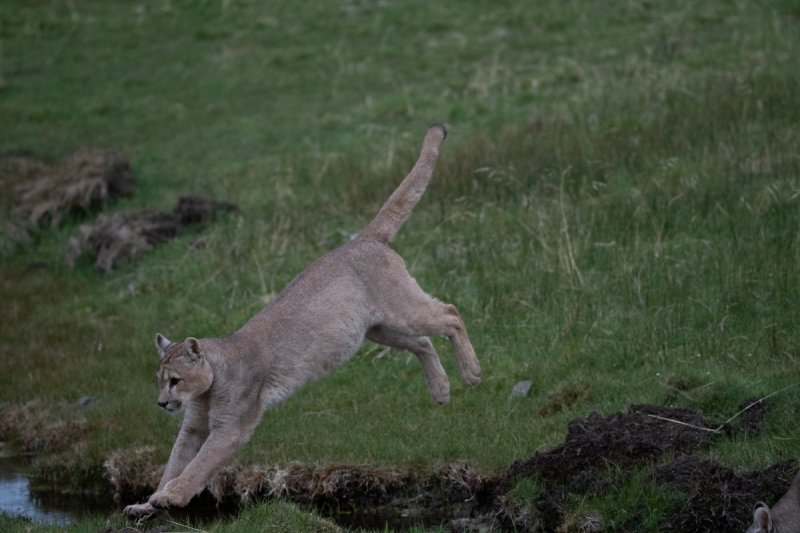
point(47, 507)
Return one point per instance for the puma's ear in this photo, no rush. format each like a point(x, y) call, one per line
point(193, 350)
point(161, 343)
point(761, 517)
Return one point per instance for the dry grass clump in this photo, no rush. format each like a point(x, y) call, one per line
point(134, 473)
point(34, 427)
point(17, 166)
point(87, 179)
point(121, 237)
point(296, 482)
point(244, 484)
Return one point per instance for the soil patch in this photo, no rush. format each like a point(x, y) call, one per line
point(713, 497)
point(595, 443)
point(717, 498)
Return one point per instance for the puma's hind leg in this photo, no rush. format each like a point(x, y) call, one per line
point(414, 313)
point(435, 376)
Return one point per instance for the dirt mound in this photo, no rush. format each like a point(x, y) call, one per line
point(751, 415)
point(593, 443)
point(714, 497)
point(717, 498)
point(120, 237)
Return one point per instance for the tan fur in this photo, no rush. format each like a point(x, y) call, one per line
point(783, 517)
point(360, 290)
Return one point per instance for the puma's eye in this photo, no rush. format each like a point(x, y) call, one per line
point(173, 381)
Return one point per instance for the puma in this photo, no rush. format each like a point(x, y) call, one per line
point(359, 290)
point(783, 517)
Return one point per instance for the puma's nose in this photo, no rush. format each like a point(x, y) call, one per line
point(162, 404)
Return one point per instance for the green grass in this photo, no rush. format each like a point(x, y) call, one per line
point(617, 208)
point(632, 500)
point(270, 516)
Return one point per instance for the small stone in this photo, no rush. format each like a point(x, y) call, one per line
point(522, 388)
point(86, 401)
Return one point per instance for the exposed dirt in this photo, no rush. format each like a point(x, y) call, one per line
point(713, 497)
point(717, 498)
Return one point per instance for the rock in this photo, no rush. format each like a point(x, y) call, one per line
point(523, 388)
point(86, 401)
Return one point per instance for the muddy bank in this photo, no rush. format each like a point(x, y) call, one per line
point(662, 440)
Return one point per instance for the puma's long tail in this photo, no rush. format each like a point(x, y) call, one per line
point(398, 207)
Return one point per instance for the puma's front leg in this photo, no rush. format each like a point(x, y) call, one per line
point(218, 448)
point(189, 442)
point(193, 434)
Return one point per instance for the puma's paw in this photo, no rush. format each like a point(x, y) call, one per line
point(169, 497)
point(471, 371)
point(473, 378)
point(140, 510)
point(440, 391)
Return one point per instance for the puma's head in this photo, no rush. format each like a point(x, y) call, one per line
point(184, 372)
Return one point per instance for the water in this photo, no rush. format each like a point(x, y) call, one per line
point(17, 498)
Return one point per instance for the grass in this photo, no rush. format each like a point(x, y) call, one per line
point(629, 499)
point(268, 516)
point(616, 212)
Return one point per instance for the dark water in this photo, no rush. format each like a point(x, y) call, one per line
point(17, 498)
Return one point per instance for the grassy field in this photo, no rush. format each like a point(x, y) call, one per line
point(616, 213)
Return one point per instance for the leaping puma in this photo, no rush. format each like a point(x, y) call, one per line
point(359, 290)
